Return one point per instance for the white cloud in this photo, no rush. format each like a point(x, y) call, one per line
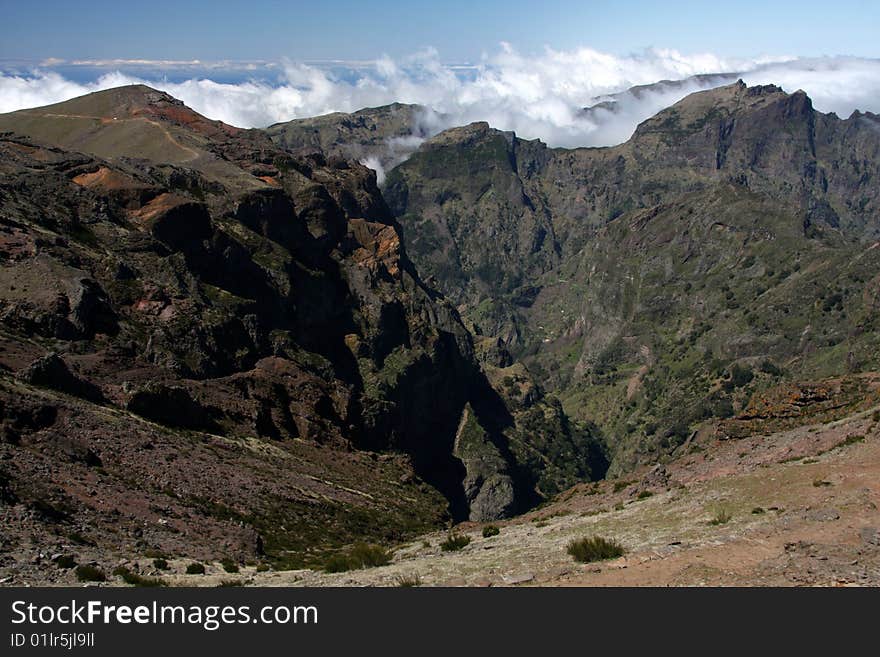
point(536, 96)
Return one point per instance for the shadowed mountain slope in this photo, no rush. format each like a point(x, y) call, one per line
point(210, 345)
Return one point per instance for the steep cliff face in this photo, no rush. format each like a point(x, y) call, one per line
point(600, 267)
point(230, 333)
point(384, 136)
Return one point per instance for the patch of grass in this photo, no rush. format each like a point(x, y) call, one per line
point(594, 548)
point(263, 567)
point(645, 494)
point(89, 573)
point(361, 555)
point(490, 530)
point(851, 440)
point(160, 564)
point(229, 565)
point(619, 506)
point(721, 517)
point(408, 581)
point(455, 542)
point(620, 485)
point(195, 568)
point(155, 554)
point(137, 580)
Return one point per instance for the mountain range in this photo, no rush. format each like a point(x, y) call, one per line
point(228, 343)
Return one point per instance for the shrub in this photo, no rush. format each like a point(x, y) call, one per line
point(721, 518)
point(338, 563)
point(371, 556)
point(195, 568)
point(361, 555)
point(758, 510)
point(160, 564)
point(594, 548)
point(136, 580)
point(229, 565)
point(851, 440)
point(89, 573)
point(262, 567)
point(155, 554)
point(620, 485)
point(644, 494)
point(454, 542)
point(740, 376)
point(408, 580)
point(769, 367)
point(490, 530)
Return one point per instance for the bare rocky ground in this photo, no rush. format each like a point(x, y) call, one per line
point(802, 508)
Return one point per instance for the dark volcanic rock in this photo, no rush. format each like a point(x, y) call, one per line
point(169, 405)
point(52, 372)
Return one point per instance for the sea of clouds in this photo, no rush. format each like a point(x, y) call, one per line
point(539, 96)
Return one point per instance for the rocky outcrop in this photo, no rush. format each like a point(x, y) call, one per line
point(52, 372)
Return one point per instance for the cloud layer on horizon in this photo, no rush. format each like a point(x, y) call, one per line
point(537, 97)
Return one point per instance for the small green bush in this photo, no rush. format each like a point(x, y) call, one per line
point(370, 556)
point(851, 440)
point(645, 494)
point(361, 555)
point(195, 568)
point(490, 530)
point(89, 573)
point(594, 548)
point(152, 553)
point(408, 581)
point(160, 564)
point(137, 580)
point(758, 510)
point(620, 485)
point(721, 518)
point(263, 567)
point(454, 542)
point(338, 563)
point(229, 565)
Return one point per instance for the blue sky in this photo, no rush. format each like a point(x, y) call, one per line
point(460, 30)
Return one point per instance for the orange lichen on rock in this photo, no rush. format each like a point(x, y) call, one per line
point(105, 179)
point(158, 206)
point(379, 245)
